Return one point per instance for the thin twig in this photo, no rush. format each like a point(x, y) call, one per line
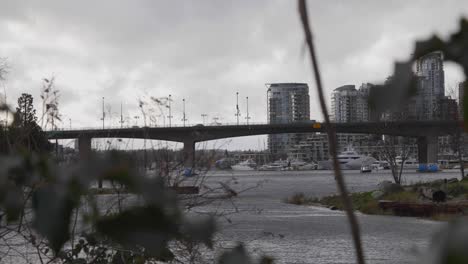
point(331, 136)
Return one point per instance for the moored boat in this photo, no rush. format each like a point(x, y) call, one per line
point(366, 169)
point(246, 165)
point(409, 163)
point(349, 159)
point(271, 167)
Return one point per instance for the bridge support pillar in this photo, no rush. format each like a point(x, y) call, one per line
point(427, 150)
point(84, 150)
point(189, 153)
point(84, 147)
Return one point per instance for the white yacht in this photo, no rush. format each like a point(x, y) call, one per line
point(349, 159)
point(271, 167)
point(380, 165)
point(410, 163)
point(297, 164)
point(275, 166)
point(245, 165)
point(308, 166)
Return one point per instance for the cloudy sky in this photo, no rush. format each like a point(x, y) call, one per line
point(204, 51)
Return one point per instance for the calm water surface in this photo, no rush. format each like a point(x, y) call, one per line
point(308, 234)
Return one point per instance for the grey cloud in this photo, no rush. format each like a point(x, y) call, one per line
point(205, 51)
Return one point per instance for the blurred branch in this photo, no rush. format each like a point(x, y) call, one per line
point(331, 135)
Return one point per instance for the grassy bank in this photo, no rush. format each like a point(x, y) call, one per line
point(363, 202)
point(366, 203)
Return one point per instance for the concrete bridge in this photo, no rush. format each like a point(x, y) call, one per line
point(425, 131)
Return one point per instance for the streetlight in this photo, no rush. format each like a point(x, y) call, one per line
point(103, 113)
point(170, 113)
point(69, 119)
point(204, 116)
point(183, 116)
point(237, 107)
point(247, 117)
point(121, 116)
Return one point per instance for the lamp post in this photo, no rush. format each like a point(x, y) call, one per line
point(183, 114)
point(247, 117)
point(69, 119)
point(103, 118)
point(121, 116)
point(204, 116)
point(103, 113)
point(170, 113)
point(237, 107)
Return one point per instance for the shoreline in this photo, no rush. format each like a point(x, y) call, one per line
point(414, 200)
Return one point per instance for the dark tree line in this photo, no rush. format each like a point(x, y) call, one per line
point(24, 134)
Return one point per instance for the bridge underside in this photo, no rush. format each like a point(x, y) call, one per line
point(426, 132)
point(84, 150)
point(427, 150)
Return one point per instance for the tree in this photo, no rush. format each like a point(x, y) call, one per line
point(396, 152)
point(25, 111)
point(50, 104)
point(457, 146)
point(25, 132)
point(3, 68)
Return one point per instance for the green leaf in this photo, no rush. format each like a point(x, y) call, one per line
point(13, 203)
point(79, 261)
point(200, 230)
point(396, 91)
point(457, 46)
point(235, 256)
point(449, 244)
point(427, 46)
point(266, 260)
point(53, 205)
point(465, 105)
point(149, 227)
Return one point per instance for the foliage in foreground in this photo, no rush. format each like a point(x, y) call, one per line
point(140, 233)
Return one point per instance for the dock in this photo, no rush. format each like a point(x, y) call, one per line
point(424, 209)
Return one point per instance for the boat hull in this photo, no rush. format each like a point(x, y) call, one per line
point(241, 168)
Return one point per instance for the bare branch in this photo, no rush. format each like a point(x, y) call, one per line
point(3, 68)
point(331, 135)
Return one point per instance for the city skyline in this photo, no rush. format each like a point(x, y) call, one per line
point(239, 51)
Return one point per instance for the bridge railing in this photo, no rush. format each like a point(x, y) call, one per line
point(167, 126)
point(148, 126)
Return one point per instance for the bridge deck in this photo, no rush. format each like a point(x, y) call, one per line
point(202, 133)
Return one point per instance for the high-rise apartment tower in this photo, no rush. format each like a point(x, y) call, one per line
point(287, 103)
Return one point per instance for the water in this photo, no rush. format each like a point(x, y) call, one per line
point(308, 234)
point(260, 219)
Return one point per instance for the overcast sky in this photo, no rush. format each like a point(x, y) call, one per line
point(205, 51)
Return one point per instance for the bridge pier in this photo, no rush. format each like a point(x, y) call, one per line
point(84, 147)
point(84, 150)
point(189, 153)
point(427, 150)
